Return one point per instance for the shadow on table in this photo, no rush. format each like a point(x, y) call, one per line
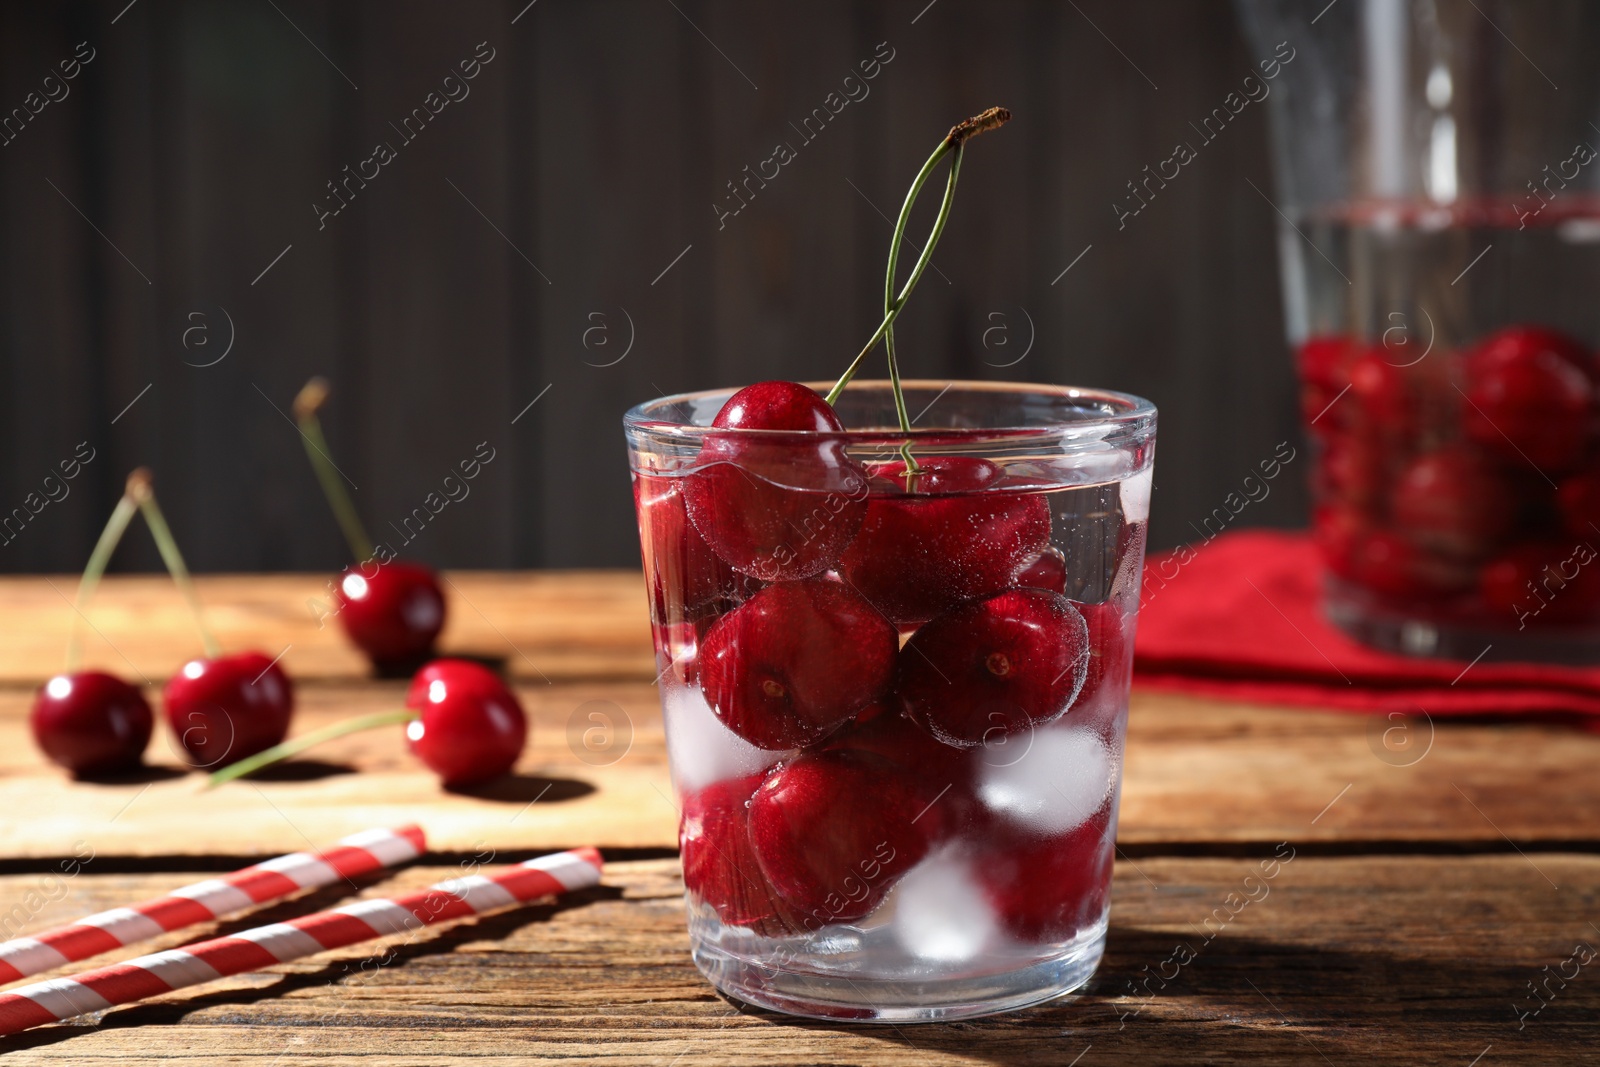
point(494, 661)
point(1287, 1003)
point(300, 770)
point(143, 774)
point(293, 770)
point(428, 942)
point(525, 789)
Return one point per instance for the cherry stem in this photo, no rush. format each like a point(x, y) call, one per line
point(280, 752)
point(311, 398)
point(912, 469)
point(99, 560)
point(892, 305)
point(142, 490)
point(892, 311)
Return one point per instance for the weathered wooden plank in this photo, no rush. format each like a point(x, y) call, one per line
point(554, 625)
point(1199, 775)
point(623, 797)
point(1404, 959)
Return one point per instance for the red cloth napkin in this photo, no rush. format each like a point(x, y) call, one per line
point(1238, 619)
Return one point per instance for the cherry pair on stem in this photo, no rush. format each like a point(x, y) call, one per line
point(940, 540)
point(936, 546)
point(94, 723)
point(463, 722)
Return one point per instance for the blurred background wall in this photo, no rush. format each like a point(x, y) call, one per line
point(174, 262)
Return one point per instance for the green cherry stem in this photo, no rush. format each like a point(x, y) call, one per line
point(141, 489)
point(896, 305)
point(890, 304)
point(299, 744)
point(306, 405)
point(952, 145)
point(99, 559)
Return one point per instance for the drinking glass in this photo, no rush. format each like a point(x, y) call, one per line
point(895, 694)
point(1439, 239)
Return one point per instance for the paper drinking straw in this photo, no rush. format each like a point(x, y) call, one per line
point(251, 950)
point(208, 900)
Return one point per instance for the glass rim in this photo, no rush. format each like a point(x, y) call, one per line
point(1122, 413)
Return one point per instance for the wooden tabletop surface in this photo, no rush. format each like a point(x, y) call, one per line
point(1441, 906)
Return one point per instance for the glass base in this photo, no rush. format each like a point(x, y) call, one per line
point(1379, 626)
point(772, 979)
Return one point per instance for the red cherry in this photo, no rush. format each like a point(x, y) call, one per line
point(1108, 652)
point(393, 614)
point(776, 506)
point(1352, 470)
point(777, 405)
point(1392, 566)
point(91, 723)
point(1530, 397)
point(880, 729)
point(1578, 497)
point(1049, 888)
point(944, 770)
point(1324, 372)
point(993, 667)
point(1454, 502)
point(686, 578)
point(945, 540)
point(833, 830)
point(1047, 570)
point(225, 709)
point(472, 727)
point(1382, 395)
point(1387, 564)
point(1543, 582)
point(1338, 531)
point(719, 864)
point(1519, 342)
point(794, 661)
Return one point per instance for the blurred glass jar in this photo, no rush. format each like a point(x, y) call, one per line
point(1439, 241)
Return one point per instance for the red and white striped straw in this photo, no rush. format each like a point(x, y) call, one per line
point(251, 950)
point(208, 900)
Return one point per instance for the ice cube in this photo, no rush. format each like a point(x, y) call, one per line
point(1050, 782)
point(702, 750)
point(1101, 710)
point(940, 911)
point(1136, 496)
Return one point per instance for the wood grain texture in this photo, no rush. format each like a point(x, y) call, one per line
point(554, 625)
point(1199, 776)
point(1390, 959)
point(1387, 937)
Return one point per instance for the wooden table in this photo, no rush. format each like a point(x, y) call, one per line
point(1431, 891)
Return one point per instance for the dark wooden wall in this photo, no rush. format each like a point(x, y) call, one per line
point(460, 283)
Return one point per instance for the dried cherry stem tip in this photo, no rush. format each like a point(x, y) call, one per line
point(299, 744)
point(982, 122)
point(141, 484)
point(312, 395)
point(141, 490)
point(307, 403)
